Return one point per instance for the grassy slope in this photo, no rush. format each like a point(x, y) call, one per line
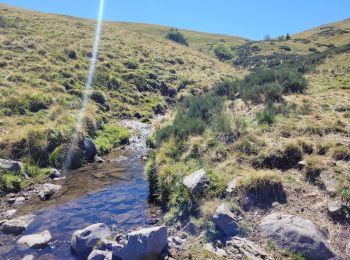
point(318, 119)
point(35, 65)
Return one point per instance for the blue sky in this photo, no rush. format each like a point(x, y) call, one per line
point(247, 18)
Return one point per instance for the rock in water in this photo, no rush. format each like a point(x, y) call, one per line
point(147, 243)
point(17, 225)
point(10, 166)
point(85, 239)
point(225, 221)
point(297, 235)
point(246, 248)
point(34, 241)
point(89, 148)
point(28, 257)
point(197, 182)
point(100, 255)
point(48, 190)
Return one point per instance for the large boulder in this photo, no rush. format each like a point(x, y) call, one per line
point(245, 248)
point(89, 148)
point(17, 225)
point(85, 239)
point(34, 241)
point(225, 221)
point(197, 182)
point(48, 190)
point(297, 235)
point(147, 243)
point(10, 166)
point(100, 255)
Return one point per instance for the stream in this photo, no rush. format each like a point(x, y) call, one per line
point(114, 193)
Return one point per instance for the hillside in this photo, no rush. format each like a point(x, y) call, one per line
point(277, 141)
point(44, 62)
point(250, 157)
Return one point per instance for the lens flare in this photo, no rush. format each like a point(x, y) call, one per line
point(87, 89)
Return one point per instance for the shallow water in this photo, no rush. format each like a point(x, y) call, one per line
point(115, 193)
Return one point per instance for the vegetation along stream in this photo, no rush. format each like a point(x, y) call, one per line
point(114, 192)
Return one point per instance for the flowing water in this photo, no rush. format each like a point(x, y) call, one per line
point(115, 193)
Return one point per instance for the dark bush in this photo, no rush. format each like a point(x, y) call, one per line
point(176, 36)
point(314, 50)
point(228, 87)
point(222, 52)
point(71, 54)
point(131, 64)
point(286, 48)
point(98, 97)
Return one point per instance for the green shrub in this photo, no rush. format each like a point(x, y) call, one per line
point(228, 87)
point(34, 171)
point(176, 36)
point(58, 158)
point(267, 116)
point(36, 147)
point(10, 182)
point(193, 116)
point(111, 136)
point(223, 53)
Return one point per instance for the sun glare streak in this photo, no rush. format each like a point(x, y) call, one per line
point(88, 87)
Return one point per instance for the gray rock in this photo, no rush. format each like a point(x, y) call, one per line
point(329, 183)
point(297, 235)
point(89, 148)
point(246, 248)
point(9, 213)
point(85, 239)
point(48, 190)
point(301, 165)
point(99, 160)
point(225, 221)
point(231, 186)
point(10, 166)
point(335, 209)
point(100, 255)
point(117, 250)
point(17, 225)
point(34, 241)
point(214, 250)
point(54, 173)
point(347, 249)
point(15, 201)
point(197, 182)
point(28, 257)
point(147, 243)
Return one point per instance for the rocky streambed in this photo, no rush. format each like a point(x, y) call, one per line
point(113, 192)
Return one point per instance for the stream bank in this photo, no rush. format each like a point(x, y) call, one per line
point(114, 192)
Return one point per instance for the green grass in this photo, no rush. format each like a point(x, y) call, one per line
point(110, 137)
point(44, 70)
